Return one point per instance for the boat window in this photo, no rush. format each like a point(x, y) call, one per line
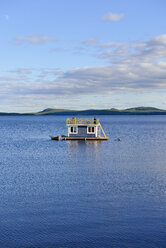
point(91, 129)
point(73, 129)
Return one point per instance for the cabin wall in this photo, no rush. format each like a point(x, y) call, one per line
point(82, 132)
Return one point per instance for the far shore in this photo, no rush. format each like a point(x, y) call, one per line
point(112, 111)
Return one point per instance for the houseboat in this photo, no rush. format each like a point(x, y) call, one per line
point(83, 129)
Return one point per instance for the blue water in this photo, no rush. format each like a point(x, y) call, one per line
point(80, 194)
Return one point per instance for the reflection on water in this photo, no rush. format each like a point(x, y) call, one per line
point(83, 194)
point(86, 143)
point(85, 149)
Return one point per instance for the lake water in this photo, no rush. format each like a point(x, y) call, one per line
point(76, 194)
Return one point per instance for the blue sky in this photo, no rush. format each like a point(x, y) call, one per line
point(82, 54)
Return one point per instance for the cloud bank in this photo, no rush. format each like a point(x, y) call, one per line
point(137, 67)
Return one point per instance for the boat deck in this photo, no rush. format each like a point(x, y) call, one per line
point(84, 138)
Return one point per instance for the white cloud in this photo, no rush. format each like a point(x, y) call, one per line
point(155, 48)
point(136, 52)
point(35, 39)
point(110, 17)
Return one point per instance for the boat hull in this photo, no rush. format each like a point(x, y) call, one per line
point(55, 138)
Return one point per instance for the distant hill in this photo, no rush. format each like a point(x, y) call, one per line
point(52, 111)
point(112, 111)
point(144, 109)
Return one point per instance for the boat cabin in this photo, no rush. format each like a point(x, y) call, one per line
point(85, 128)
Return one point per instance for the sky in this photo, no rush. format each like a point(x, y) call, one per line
point(74, 54)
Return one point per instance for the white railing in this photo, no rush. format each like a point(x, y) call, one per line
point(82, 121)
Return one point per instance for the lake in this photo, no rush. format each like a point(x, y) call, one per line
point(77, 194)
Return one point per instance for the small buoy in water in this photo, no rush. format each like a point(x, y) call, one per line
point(118, 139)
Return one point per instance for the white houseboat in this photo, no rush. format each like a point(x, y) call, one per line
point(84, 129)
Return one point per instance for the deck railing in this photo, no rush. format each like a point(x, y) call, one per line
point(82, 121)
